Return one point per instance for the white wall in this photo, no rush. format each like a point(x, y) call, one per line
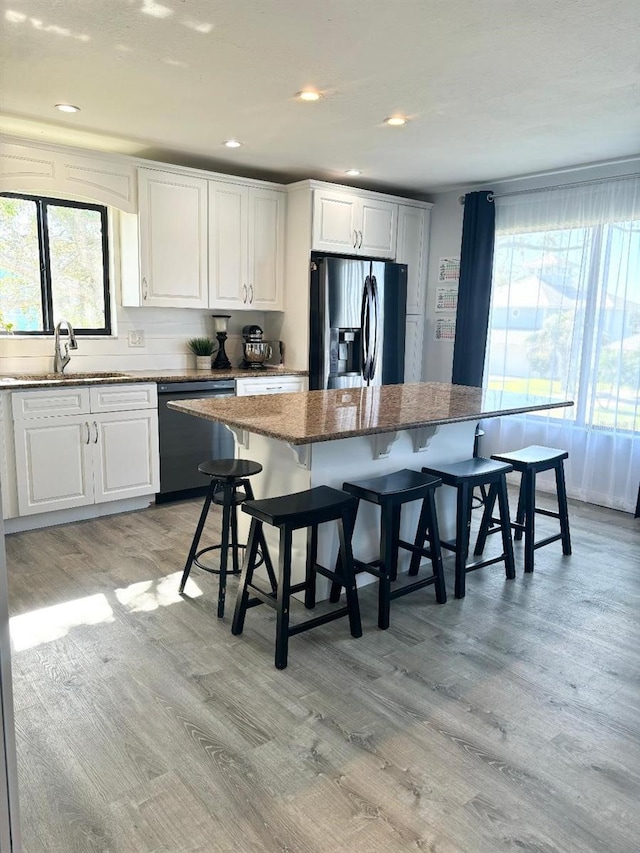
point(446, 235)
point(166, 331)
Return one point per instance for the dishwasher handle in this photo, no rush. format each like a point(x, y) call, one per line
point(204, 388)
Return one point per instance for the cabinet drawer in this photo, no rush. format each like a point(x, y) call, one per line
point(49, 402)
point(120, 398)
point(270, 385)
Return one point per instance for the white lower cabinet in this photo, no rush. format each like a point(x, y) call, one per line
point(270, 385)
point(65, 461)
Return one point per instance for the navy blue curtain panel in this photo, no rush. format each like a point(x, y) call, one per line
point(474, 288)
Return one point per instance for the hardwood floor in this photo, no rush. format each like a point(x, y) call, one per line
point(506, 721)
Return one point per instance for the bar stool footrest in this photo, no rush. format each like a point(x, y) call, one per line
point(319, 620)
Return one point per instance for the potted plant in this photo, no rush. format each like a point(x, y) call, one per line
point(203, 349)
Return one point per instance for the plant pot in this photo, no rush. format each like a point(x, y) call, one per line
point(203, 362)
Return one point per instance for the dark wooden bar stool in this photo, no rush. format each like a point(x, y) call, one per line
point(292, 512)
point(229, 487)
point(390, 492)
point(531, 461)
point(464, 477)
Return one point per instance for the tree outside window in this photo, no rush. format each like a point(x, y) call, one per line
point(53, 265)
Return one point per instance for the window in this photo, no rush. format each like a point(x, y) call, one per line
point(565, 323)
point(565, 313)
point(53, 265)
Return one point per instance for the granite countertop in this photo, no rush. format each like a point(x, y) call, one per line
point(307, 417)
point(17, 381)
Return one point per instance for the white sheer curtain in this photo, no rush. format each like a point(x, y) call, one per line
point(565, 323)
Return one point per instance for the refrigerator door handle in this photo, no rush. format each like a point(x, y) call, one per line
point(373, 326)
point(364, 325)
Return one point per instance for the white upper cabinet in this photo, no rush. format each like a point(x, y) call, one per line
point(228, 255)
point(266, 248)
point(246, 246)
point(353, 224)
point(173, 240)
point(413, 250)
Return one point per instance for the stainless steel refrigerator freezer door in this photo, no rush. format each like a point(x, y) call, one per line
point(353, 297)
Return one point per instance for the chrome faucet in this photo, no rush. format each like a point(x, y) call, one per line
point(60, 361)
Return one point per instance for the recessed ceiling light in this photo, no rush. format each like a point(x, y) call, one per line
point(232, 143)
point(67, 108)
point(395, 121)
point(353, 172)
point(309, 95)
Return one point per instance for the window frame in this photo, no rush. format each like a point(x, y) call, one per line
point(46, 293)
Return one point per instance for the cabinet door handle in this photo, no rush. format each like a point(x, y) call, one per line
point(360, 243)
point(244, 293)
point(273, 387)
point(88, 438)
point(251, 294)
point(145, 289)
point(355, 239)
point(95, 426)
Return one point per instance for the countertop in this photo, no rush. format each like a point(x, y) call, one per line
point(307, 417)
point(17, 381)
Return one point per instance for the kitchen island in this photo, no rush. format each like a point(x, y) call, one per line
point(314, 438)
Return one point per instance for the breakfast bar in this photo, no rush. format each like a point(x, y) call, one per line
point(313, 438)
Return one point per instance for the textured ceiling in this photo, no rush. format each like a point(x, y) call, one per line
point(493, 89)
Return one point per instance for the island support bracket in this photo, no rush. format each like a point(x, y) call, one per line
point(242, 436)
point(422, 436)
point(381, 444)
point(302, 455)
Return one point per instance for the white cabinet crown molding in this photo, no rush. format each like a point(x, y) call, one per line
point(355, 191)
point(65, 173)
point(48, 152)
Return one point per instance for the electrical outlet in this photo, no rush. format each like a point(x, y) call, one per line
point(136, 338)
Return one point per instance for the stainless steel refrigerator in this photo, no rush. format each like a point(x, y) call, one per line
point(357, 322)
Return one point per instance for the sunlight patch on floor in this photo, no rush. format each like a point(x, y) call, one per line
point(149, 595)
point(51, 623)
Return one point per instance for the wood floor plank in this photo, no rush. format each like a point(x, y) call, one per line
point(506, 721)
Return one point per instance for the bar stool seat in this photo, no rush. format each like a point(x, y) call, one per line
point(229, 487)
point(288, 513)
point(390, 492)
point(530, 461)
point(465, 476)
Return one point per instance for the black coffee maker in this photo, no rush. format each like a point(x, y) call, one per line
point(254, 349)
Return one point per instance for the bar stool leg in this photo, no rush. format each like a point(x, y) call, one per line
point(197, 535)
point(227, 492)
point(520, 512)
point(247, 577)
point(563, 509)
point(435, 549)
point(487, 516)
point(528, 490)
point(387, 525)
point(336, 586)
point(234, 534)
point(463, 530)
point(505, 525)
point(310, 571)
point(420, 538)
point(345, 532)
point(284, 594)
point(395, 534)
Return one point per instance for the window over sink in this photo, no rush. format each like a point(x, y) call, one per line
point(54, 264)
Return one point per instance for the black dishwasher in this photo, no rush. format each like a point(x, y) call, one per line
point(186, 441)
